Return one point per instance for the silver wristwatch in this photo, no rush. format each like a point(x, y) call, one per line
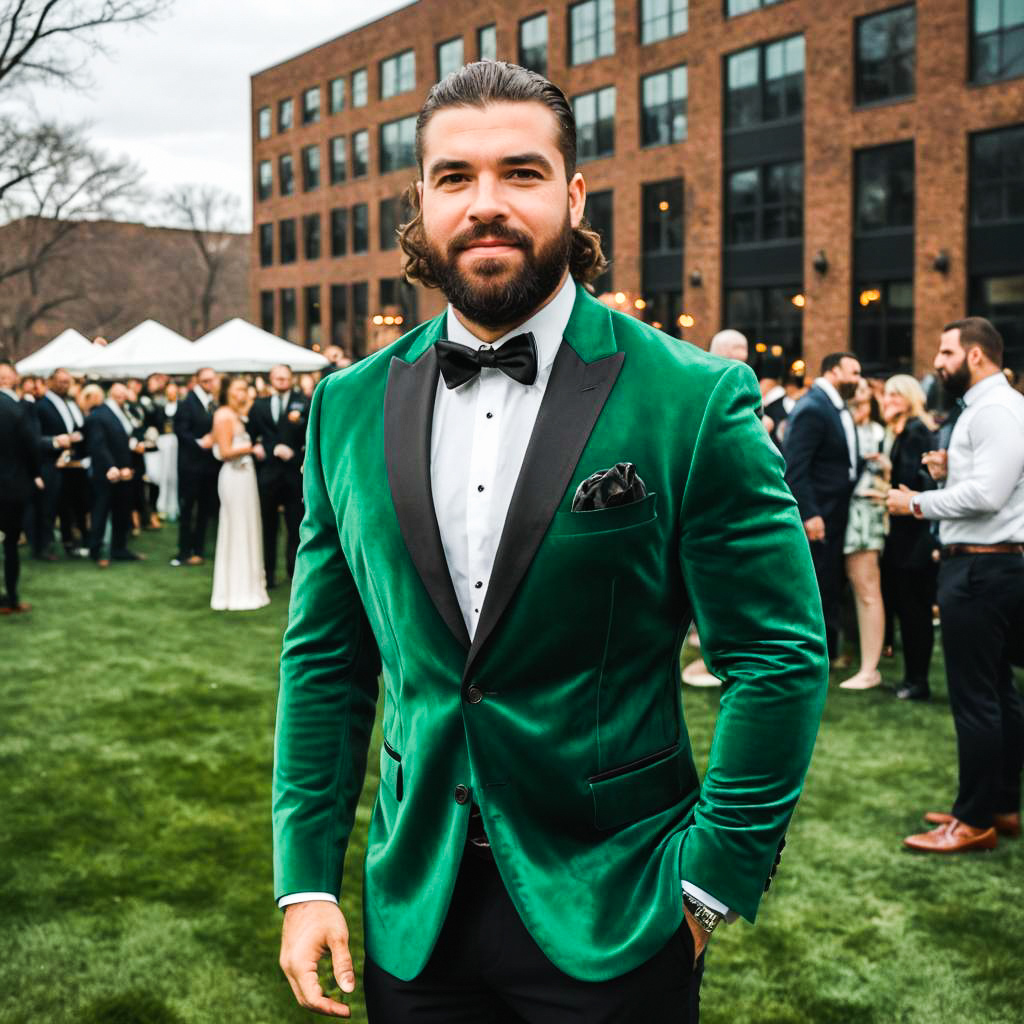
point(707, 918)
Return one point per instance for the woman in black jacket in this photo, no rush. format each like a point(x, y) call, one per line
point(909, 570)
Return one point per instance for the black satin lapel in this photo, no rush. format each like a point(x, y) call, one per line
point(408, 416)
point(575, 395)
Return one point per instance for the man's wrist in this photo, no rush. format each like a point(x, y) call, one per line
point(706, 918)
point(306, 897)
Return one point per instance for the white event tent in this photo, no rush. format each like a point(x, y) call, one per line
point(147, 348)
point(240, 347)
point(67, 349)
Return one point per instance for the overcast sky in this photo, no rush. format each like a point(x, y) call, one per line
point(174, 95)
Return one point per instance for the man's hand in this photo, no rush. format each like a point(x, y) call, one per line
point(283, 452)
point(126, 474)
point(113, 474)
point(62, 441)
point(898, 501)
point(310, 930)
point(205, 442)
point(936, 463)
point(139, 448)
point(38, 481)
point(700, 937)
point(814, 528)
point(259, 451)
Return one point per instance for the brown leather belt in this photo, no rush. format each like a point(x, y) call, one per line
point(958, 550)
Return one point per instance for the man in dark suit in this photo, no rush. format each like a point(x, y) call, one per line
point(19, 475)
point(278, 424)
point(197, 467)
point(821, 468)
point(110, 440)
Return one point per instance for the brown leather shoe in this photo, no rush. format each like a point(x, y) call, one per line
point(1005, 824)
point(194, 560)
point(953, 837)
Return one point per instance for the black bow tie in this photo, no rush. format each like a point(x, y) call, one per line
point(517, 358)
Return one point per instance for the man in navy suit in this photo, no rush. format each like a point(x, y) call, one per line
point(198, 468)
point(822, 462)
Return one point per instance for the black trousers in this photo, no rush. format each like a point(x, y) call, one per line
point(41, 511)
point(486, 969)
point(198, 503)
point(12, 515)
point(73, 507)
point(981, 598)
point(909, 594)
point(113, 501)
point(281, 491)
point(827, 556)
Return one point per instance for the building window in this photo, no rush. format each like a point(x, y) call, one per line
point(733, 8)
point(398, 74)
point(338, 162)
point(267, 311)
point(360, 227)
point(339, 314)
point(595, 123)
point(768, 316)
point(591, 30)
point(286, 241)
point(997, 177)
point(311, 236)
point(360, 88)
point(398, 144)
point(289, 327)
point(336, 95)
point(663, 217)
point(266, 245)
point(311, 105)
point(533, 43)
point(487, 42)
point(883, 324)
point(885, 188)
point(765, 204)
point(286, 174)
point(1001, 300)
point(765, 83)
point(392, 215)
point(311, 295)
point(886, 44)
point(395, 293)
point(265, 181)
point(661, 19)
point(599, 214)
point(339, 231)
point(285, 115)
point(310, 168)
point(361, 154)
point(664, 107)
point(263, 125)
point(360, 313)
point(997, 40)
point(449, 57)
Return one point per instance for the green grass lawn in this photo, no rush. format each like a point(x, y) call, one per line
point(135, 868)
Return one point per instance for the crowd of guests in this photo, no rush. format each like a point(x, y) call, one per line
point(84, 468)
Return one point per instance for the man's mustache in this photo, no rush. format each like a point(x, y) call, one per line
point(497, 231)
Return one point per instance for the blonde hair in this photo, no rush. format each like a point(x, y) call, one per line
point(91, 392)
point(907, 387)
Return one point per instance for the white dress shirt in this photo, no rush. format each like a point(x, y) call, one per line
point(69, 411)
point(983, 500)
point(480, 433)
point(119, 413)
point(847, 419)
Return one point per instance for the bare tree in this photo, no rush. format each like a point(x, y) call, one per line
point(48, 40)
point(212, 215)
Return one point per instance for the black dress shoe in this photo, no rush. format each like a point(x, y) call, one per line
point(914, 692)
point(125, 556)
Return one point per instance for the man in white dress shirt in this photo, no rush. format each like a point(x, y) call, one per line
point(981, 586)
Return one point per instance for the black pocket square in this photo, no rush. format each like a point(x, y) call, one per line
point(609, 488)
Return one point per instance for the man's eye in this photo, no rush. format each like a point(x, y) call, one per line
point(524, 173)
point(452, 179)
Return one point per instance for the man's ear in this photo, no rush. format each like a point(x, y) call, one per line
point(577, 199)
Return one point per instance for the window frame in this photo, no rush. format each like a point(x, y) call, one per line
point(437, 55)
point(1002, 184)
point(762, 51)
point(521, 46)
point(312, 238)
point(265, 235)
point(287, 249)
point(361, 136)
point(285, 182)
point(889, 61)
point(762, 207)
point(974, 38)
point(342, 85)
point(492, 27)
point(333, 175)
point(264, 191)
point(402, 149)
point(360, 232)
point(360, 88)
point(859, 157)
point(311, 112)
point(339, 228)
point(668, 17)
point(287, 104)
point(312, 170)
point(597, 95)
point(404, 76)
point(604, 7)
point(645, 119)
point(264, 131)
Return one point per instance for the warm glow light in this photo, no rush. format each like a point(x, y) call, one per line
point(316, 347)
point(776, 350)
point(760, 347)
point(399, 320)
point(869, 295)
point(685, 320)
point(389, 320)
point(799, 301)
point(620, 297)
point(639, 304)
point(663, 206)
point(378, 320)
point(798, 366)
point(656, 323)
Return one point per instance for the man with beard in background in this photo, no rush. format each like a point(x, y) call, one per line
point(981, 586)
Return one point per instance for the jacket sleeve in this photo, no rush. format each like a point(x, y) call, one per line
point(747, 568)
point(96, 445)
point(803, 438)
point(327, 700)
point(185, 424)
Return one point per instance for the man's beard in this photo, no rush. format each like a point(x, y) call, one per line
point(957, 383)
point(494, 304)
point(847, 389)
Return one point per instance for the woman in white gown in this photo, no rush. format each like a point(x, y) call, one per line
point(239, 581)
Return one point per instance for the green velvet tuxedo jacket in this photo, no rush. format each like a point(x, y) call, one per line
point(563, 718)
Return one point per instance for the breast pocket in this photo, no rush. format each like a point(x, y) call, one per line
point(621, 518)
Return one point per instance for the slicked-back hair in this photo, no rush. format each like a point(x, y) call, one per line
point(833, 359)
point(479, 85)
point(976, 331)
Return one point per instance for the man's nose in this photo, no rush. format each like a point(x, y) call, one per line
point(488, 201)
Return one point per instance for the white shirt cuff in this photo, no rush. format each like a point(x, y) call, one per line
point(305, 897)
point(708, 900)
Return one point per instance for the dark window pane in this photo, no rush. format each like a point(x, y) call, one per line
point(286, 247)
point(599, 216)
point(595, 123)
point(997, 176)
point(449, 57)
point(360, 87)
point(591, 30)
point(311, 236)
point(360, 312)
point(360, 154)
point(883, 324)
point(1000, 299)
point(266, 245)
point(398, 144)
point(285, 115)
point(336, 99)
point(311, 105)
point(267, 311)
point(286, 174)
point(533, 43)
point(487, 43)
point(289, 324)
point(339, 232)
point(311, 296)
point(360, 227)
point(885, 188)
point(660, 19)
point(388, 222)
point(663, 217)
point(339, 167)
point(265, 185)
point(664, 97)
point(398, 74)
point(885, 54)
point(339, 315)
point(310, 168)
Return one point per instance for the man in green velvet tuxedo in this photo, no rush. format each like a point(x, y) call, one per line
point(512, 515)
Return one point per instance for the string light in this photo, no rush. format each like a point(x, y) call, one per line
point(663, 206)
point(760, 347)
point(776, 350)
point(799, 301)
point(685, 320)
point(378, 320)
point(639, 304)
point(869, 295)
point(620, 297)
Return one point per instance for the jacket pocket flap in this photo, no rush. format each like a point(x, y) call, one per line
point(641, 789)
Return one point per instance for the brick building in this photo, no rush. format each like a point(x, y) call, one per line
point(819, 177)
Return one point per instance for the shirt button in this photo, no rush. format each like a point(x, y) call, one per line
point(478, 584)
point(480, 487)
point(461, 794)
point(474, 695)
point(490, 415)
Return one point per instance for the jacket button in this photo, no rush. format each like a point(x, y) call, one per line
point(461, 794)
point(474, 695)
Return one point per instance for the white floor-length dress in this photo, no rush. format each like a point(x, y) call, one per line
point(239, 580)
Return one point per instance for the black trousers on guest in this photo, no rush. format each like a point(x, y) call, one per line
point(827, 556)
point(281, 491)
point(12, 515)
point(113, 501)
point(73, 507)
point(486, 969)
point(909, 594)
point(198, 503)
point(981, 599)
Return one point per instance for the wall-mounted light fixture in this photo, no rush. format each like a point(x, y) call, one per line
point(820, 262)
point(941, 262)
point(696, 278)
